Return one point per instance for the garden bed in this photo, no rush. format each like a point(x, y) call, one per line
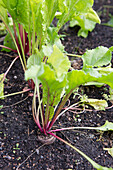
point(18, 131)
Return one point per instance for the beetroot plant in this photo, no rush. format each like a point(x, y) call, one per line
point(58, 84)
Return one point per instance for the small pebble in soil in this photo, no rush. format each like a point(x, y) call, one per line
point(15, 77)
point(37, 151)
point(77, 138)
point(79, 120)
point(91, 136)
point(8, 157)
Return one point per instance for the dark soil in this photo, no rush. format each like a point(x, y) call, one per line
point(18, 132)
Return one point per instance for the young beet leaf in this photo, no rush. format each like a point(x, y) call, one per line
point(86, 22)
point(69, 8)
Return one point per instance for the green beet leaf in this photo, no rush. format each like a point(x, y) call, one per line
point(107, 79)
point(54, 38)
point(19, 11)
point(79, 77)
point(59, 61)
point(86, 21)
point(43, 13)
point(3, 12)
point(92, 15)
point(69, 8)
point(4, 16)
point(93, 72)
point(83, 6)
point(50, 8)
point(83, 33)
point(33, 72)
point(76, 78)
point(97, 57)
point(34, 59)
point(47, 50)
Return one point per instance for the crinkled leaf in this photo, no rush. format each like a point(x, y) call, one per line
point(54, 38)
point(69, 8)
point(4, 16)
point(34, 59)
point(59, 61)
point(86, 22)
point(83, 33)
point(79, 77)
point(97, 104)
point(3, 12)
point(92, 15)
point(83, 6)
point(80, 6)
point(107, 79)
point(97, 57)
point(108, 126)
point(47, 50)
point(1, 86)
point(52, 35)
point(52, 88)
point(33, 72)
point(19, 11)
point(44, 16)
point(50, 10)
point(110, 151)
point(76, 78)
point(93, 72)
